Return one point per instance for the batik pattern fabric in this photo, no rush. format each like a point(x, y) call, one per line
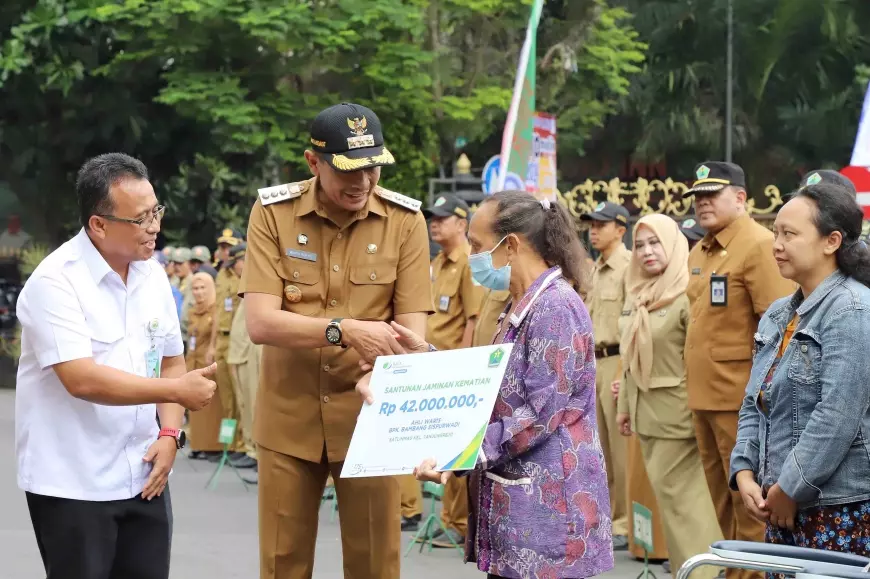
point(844, 528)
point(539, 500)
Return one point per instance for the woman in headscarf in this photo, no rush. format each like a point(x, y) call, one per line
point(204, 424)
point(652, 399)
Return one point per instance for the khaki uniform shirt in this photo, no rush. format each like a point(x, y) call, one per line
point(720, 338)
point(227, 292)
point(607, 295)
point(241, 349)
point(662, 411)
point(456, 298)
point(199, 336)
point(493, 305)
point(373, 268)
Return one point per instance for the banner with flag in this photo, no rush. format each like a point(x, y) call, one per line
point(516, 144)
point(859, 168)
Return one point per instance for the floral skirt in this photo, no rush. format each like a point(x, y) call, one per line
point(844, 528)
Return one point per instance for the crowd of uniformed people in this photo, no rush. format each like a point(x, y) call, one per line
point(327, 264)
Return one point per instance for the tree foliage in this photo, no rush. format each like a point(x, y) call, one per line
point(216, 96)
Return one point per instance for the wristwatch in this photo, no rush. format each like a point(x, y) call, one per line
point(179, 436)
point(333, 332)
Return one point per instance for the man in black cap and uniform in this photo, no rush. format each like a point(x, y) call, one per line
point(831, 177)
point(733, 278)
point(228, 239)
point(608, 223)
point(330, 262)
point(692, 230)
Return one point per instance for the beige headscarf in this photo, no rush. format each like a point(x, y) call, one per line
point(209, 299)
point(650, 293)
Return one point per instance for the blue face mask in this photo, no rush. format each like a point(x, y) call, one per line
point(485, 274)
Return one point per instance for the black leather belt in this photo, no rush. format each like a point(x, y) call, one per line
point(606, 352)
point(225, 332)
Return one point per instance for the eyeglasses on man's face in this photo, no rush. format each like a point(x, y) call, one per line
point(142, 222)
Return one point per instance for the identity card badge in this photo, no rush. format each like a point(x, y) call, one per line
point(444, 303)
point(152, 356)
point(718, 290)
point(228, 304)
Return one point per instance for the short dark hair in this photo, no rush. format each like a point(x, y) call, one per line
point(96, 178)
point(549, 228)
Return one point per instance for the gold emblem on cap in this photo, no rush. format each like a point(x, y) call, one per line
point(358, 126)
point(293, 294)
point(302, 239)
point(227, 233)
point(371, 248)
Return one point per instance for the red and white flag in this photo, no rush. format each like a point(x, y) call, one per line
point(859, 168)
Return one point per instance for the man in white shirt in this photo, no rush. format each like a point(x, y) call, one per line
point(101, 360)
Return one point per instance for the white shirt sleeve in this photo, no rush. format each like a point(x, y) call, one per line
point(53, 322)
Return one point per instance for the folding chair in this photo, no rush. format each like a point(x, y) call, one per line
point(433, 521)
point(798, 562)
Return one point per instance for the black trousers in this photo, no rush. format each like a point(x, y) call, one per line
point(128, 539)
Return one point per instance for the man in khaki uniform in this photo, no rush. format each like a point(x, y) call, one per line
point(330, 262)
point(457, 303)
point(491, 308)
point(227, 299)
point(733, 278)
point(605, 299)
point(243, 362)
point(830, 177)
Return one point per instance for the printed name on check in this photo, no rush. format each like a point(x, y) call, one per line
point(434, 405)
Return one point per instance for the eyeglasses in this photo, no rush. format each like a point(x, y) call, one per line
point(142, 222)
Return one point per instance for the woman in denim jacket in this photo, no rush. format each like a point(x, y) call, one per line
point(802, 458)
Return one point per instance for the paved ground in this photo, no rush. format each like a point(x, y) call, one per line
point(215, 531)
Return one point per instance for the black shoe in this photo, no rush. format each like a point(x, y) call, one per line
point(243, 461)
point(411, 524)
point(197, 455)
point(620, 543)
point(666, 567)
point(251, 477)
point(213, 456)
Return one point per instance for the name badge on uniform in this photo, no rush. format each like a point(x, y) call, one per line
point(696, 271)
point(191, 343)
point(299, 254)
point(444, 303)
point(719, 290)
point(228, 304)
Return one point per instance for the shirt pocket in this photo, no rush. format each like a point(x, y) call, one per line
point(805, 360)
point(444, 292)
point(302, 287)
point(104, 338)
point(730, 353)
point(371, 290)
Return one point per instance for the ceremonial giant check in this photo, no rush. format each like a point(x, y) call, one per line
point(434, 405)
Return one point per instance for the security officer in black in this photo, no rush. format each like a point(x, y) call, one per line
point(692, 230)
point(830, 177)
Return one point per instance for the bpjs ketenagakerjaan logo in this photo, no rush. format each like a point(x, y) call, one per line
point(396, 367)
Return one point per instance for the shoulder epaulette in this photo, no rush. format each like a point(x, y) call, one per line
point(399, 199)
point(269, 195)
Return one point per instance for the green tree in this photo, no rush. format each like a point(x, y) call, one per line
point(216, 96)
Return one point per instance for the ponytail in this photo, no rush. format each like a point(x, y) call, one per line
point(547, 226)
point(837, 210)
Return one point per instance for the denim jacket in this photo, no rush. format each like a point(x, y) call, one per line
point(814, 437)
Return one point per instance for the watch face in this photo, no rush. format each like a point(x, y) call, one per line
point(182, 439)
point(333, 335)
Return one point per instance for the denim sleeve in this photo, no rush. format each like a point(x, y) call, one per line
point(745, 453)
point(844, 402)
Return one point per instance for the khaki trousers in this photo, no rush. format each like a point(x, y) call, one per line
point(454, 505)
point(290, 490)
point(225, 389)
point(717, 435)
point(412, 496)
point(688, 517)
point(246, 378)
point(612, 442)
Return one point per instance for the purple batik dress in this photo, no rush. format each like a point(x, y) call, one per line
point(538, 498)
